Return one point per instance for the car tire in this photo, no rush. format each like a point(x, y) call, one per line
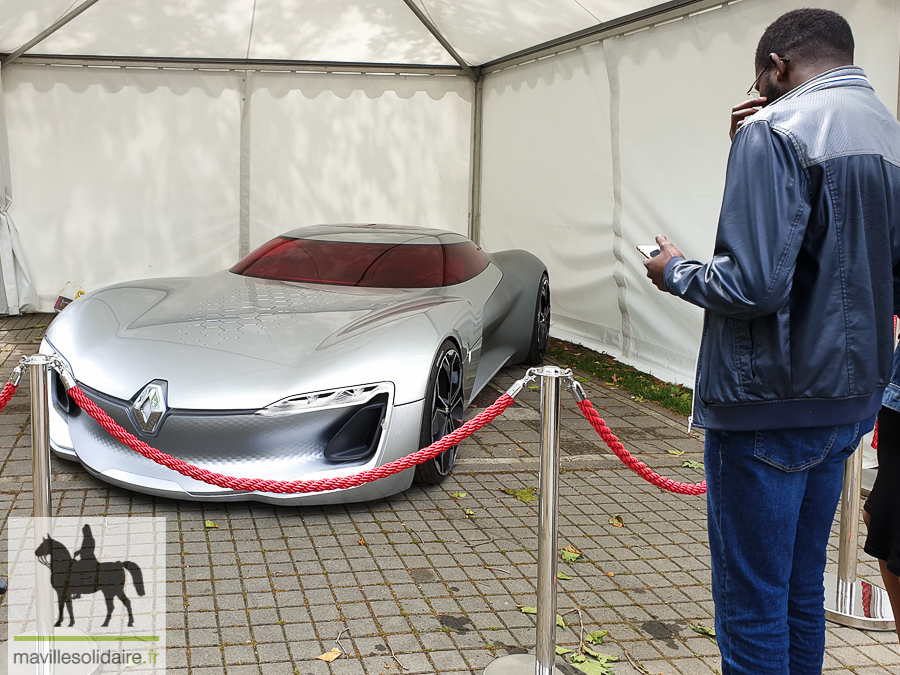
point(442, 413)
point(540, 332)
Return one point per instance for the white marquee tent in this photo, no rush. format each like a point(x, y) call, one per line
point(162, 138)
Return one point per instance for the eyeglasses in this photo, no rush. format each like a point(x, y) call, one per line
point(754, 86)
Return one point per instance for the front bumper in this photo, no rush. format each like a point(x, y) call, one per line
point(232, 443)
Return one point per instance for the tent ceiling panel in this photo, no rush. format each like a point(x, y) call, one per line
point(363, 31)
point(357, 31)
point(485, 30)
point(21, 20)
point(186, 28)
point(607, 10)
point(374, 31)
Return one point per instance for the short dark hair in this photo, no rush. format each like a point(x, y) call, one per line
point(810, 34)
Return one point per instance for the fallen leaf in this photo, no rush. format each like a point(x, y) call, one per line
point(703, 630)
point(578, 658)
point(563, 576)
point(596, 637)
point(691, 464)
point(590, 652)
point(470, 512)
point(617, 521)
point(524, 495)
point(610, 574)
point(362, 542)
point(328, 657)
point(677, 453)
point(570, 553)
point(209, 525)
point(592, 667)
point(458, 495)
point(562, 650)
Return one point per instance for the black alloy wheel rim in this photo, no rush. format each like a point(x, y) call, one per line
point(447, 406)
point(543, 318)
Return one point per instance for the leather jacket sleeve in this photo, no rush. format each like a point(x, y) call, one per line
point(764, 216)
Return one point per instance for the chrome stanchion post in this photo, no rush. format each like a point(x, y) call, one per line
point(44, 597)
point(548, 522)
point(39, 368)
point(542, 663)
point(848, 600)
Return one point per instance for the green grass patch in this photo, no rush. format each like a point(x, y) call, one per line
point(645, 387)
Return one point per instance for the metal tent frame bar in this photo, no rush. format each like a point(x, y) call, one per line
point(176, 63)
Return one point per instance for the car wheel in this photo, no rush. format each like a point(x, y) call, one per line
point(443, 412)
point(540, 334)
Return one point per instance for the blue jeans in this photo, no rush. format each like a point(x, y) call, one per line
point(771, 500)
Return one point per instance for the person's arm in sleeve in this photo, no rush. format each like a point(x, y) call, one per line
point(764, 216)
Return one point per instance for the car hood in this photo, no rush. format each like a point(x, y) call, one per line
point(231, 342)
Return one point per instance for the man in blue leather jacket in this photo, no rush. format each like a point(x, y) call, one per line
point(796, 349)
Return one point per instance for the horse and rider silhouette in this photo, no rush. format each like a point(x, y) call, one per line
point(73, 578)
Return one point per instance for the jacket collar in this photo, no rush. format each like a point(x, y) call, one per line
point(844, 76)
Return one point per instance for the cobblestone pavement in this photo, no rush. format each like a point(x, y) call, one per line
point(417, 584)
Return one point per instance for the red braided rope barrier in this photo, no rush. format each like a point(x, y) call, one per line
point(638, 467)
point(9, 389)
point(292, 486)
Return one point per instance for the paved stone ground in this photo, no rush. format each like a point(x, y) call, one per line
point(432, 588)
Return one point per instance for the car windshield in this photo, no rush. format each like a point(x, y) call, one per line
point(364, 264)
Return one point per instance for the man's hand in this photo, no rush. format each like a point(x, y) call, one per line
point(742, 111)
point(656, 267)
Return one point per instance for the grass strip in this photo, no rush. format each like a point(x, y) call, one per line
point(645, 387)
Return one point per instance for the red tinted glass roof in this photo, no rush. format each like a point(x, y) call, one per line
point(376, 265)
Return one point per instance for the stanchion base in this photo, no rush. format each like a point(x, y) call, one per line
point(871, 606)
point(515, 664)
point(83, 645)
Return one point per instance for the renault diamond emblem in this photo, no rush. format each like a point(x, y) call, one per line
point(149, 407)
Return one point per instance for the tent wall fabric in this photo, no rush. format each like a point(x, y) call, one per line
point(128, 173)
point(595, 151)
point(17, 293)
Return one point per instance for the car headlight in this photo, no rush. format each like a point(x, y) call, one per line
point(323, 400)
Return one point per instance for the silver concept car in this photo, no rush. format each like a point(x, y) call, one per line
point(328, 350)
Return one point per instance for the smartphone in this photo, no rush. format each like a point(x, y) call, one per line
point(649, 250)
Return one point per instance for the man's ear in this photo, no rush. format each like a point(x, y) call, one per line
point(780, 66)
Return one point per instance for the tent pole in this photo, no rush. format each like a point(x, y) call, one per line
point(420, 15)
point(244, 191)
point(475, 193)
point(59, 23)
